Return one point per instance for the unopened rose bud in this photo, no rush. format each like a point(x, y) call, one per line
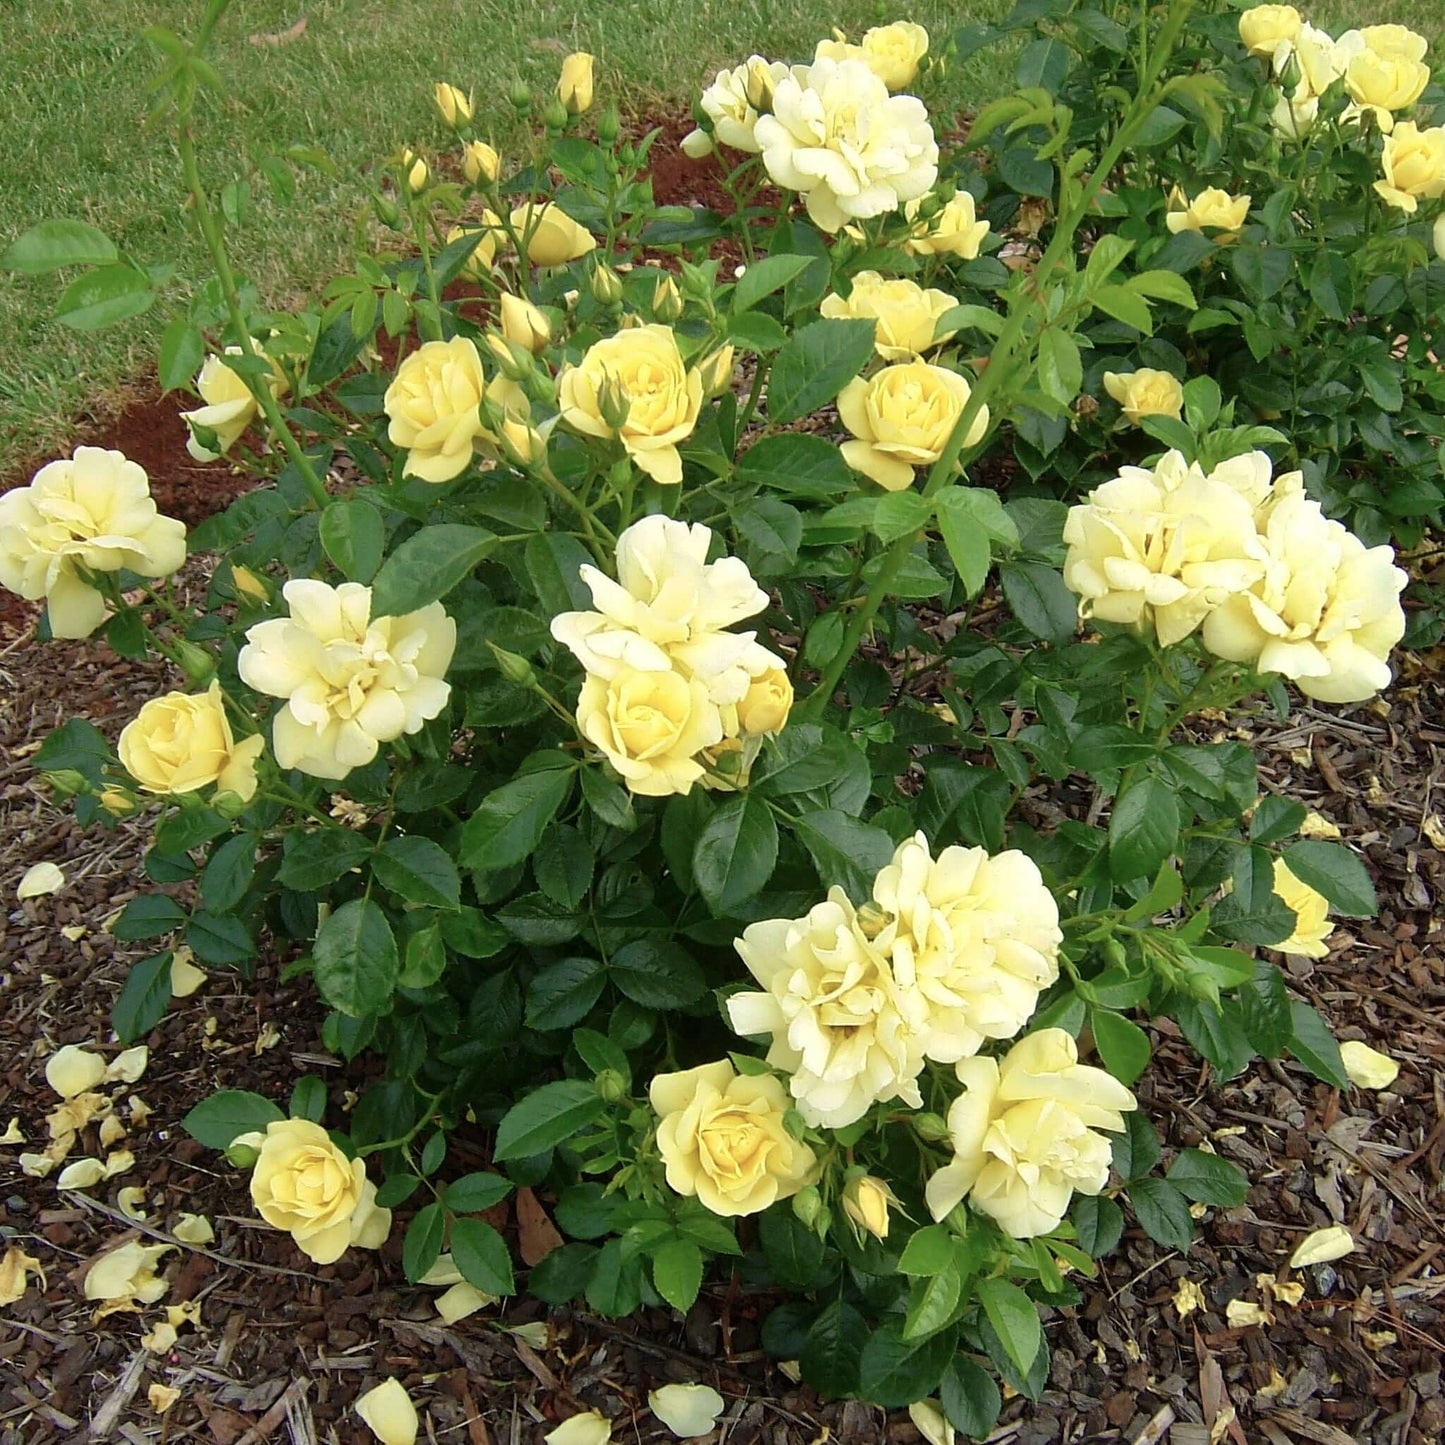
point(519, 96)
point(413, 171)
point(695, 280)
point(609, 127)
point(523, 324)
point(117, 802)
point(480, 163)
point(716, 371)
point(865, 1202)
point(386, 211)
point(807, 1205)
point(249, 585)
point(229, 805)
point(611, 1086)
point(197, 664)
point(613, 403)
point(513, 361)
point(697, 145)
point(554, 116)
point(523, 445)
point(666, 300)
point(606, 286)
point(760, 84)
point(67, 783)
point(931, 1128)
point(574, 86)
point(455, 108)
point(242, 1156)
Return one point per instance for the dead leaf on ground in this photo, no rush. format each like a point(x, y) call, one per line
point(537, 1236)
point(281, 37)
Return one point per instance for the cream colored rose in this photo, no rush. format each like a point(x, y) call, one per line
point(724, 1140)
point(894, 52)
point(351, 681)
point(1294, 117)
point(549, 235)
point(906, 315)
point(1385, 83)
point(304, 1184)
point(1163, 546)
point(716, 371)
point(1312, 926)
point(481, 164)
point(975, 939)
point(523, 324)
point(1395, 42)
point(574, 86)
point(1026, 1134)
point(838, 138)
point(485, 240)
point(183, 741)
point(1265, 26)
point(1437, 238)
point(229, 405)
point(1319, 59)
point(1212, 209)
point(1145, 392)
point(1325, 610)
point(434, 403)
point(1414, 166)
point(765, 706)
point(644, 370)
point(842, 1024)
point(901, 417)
point(955, 230)
point(865, 1201)
point(735, 99)
point(650, 726)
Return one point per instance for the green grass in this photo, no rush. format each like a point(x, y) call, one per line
point(357, 83)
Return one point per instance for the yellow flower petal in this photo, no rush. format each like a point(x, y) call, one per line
point(443, 1272)
point(389, 1413)
point(186, 978)
point(187, 1313)
point(119, 1162)
point(1323, 1246)
point(74, 1070)
point(687, 1410)
point(591, 1428)
point(930, 1422)
point(83, 1174)
point(1188, 1297)
point(162, 1397)
point(13, 1274)
point(13, 1135)
point(159, 1338)
point(1243, 1313)
point(36, 1166)
point(39, 880)
point(194, 1229)
point(127, 1067)
point(128, 1274)
point(536, 1334)
point(462, 1300)
point(1316, 825)
point(1367, 1067)
point(112, 1131)
point(129, 1201)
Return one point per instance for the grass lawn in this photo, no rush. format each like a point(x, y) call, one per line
point(357, 83)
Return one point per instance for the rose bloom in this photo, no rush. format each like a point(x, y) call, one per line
point(723, 1139)
point(901, 417)
point(851, 150)
point(549, 235)
point(574, 85)
point(1264, 27)
point(892, 52)
point(229, 406)
point(1295, 116)
point(661, 395)
point(735, 99)
point(765, 706)
point(434, 403)
point(1312, 924)
point(1324, 612)
point(181, 742)
point(1385, 82)
point(351, 681)
point(1438, 238)
point(1414, 166)
point(1145, 392)
point(523, 324)
point(1319, 58)
point(1212, 208)
point(480, 162)
point(304, 1184)
point(1394, 42)
point(953, 231)
point(92, 511)
point(975, 938)
point(906, 315)
point(841, 1023)
point(453, 105)
point(865, 1201)
point(1026, 1134)
point(1163, 546)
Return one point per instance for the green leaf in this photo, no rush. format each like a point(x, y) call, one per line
point(220, 938)
point(418, 870)
point(1038, 597)
point(657, 974)
point(1124, 305)
point(845, 851)
point(356, 960)
point(1122, 1044)
point(773, 532)
point(814, 365)
point(970, 1398)
point(308, 1098)
point(476, 1193)
point(797, 463)
point(1014, 1318)
point(553, 563)
point(1163, 1213)
point(312, 860)
point(564, 993)
point(1312, 1043)
point(481, 1256)
point(1275, 818)
point(353, 536)
point(229, 872)
point(735, 853)
point(1252, 912)
point(546, 1117)
point(929, 1251)
point(677, 1265)
point(148, 916)
point(764, 277)
point(562, 865)
point(833, 1351)
point(1143, 829)
point(1099, 1223)
point(610, 802)
point(894, 1371)
point(899, 514)
point(427, 566)
point(1332, 869)
point(423, 1243)
point(1044, 63)
point(1208, 1179)
point(1264, 1006)
point(967, 542)
point(425, 960)
point(1164, 286)
point(1061, 369)
point(144, 998)
point(101, 298)
point(509, 822)
point(183, 350)
point(932, 1302)
point(54, 244)
point(216, 1122)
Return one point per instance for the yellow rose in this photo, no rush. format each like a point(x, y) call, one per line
point(574, 87)
point(1145, 392)
point(1395, 42)
point(1295, 116)
point(434, 403)
point(1212, 208)
point(183, 741)
point(413, 170)
point(523, 324)
point(716, 371)
point(480, 162)
point(767, 703)
point(549, 235)
point(724, 1139)
point(893, 52)
point(1385, 82)
point(229, 405)
point(1028, 1131)
point(1414, 166)
point(454, 106)
point(865, 1201)
point(901, 418)
point(1312, 924)
point(650, 726)
point(1263, 28)
point(304, 1184)
point(478, 265)
point(906, 315)
point(93, 511)
point(248, 585)
point(732, 104)
point(1438, 238)
point(661, 397)
point(953, 231)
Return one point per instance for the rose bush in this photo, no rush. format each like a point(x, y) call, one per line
point(614, 744)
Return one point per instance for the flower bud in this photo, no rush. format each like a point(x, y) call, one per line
point(697, 145)
point(574, 87)
point(610, 1084)
point(759, 84)
point(519, 95)
point(455, 108)
point(609, 127)
point(931, 1128)
point(523, 324)
point(695, 280)
point(480, 163)
point(386, 211)
point(666, 300)
point(523, 445)
point(197, 664)
point(229, 805)
point(117, 802)
point(716, 371)
point(249, 585)
point(513, 361)
point(414, 171)
point(807, 1205)
point(606, 286)
point(614, 405)
point(865, 1202)
point(67, 783)
point(242, 1156)
point(554, 116)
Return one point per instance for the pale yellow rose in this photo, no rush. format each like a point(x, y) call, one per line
point(642, 370)
point(1395, 42)
point(734, 101)
point(1211, 209)
point(1028, 1132)
point(1317, 58)
point(351, 681)
point(1383, 84)
point(894, 52)
point(183, 741)
point(478, 266)
point(865, 1201)
point(716, 371)
point(1312, 926)
point(454, 106)
point(302, 1183)
point(1145, 392)
point(1368, 1068)
point(574, 86)
point(413, 170)
point(1265, 26)
point(850, 149)
point(434, 405)
point(481, 164)
point(906, 315)
point(954, 230)
point(902, 417)
point(229, 405)
point(523, 324)
point(90, 512)
point(550, 236)
point(1294, 117)
point(724, 1139)
point(387, 1411)
point(765, 706)
point(1414, 166)
point(1438, 238)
